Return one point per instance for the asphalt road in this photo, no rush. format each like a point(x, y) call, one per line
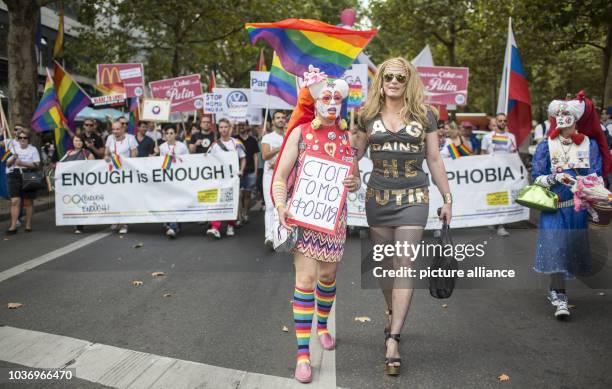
point(229, 300)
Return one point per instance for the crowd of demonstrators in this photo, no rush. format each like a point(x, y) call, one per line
point(226, 144)
point(248, 180)
point(270, 146)
point(24, 159)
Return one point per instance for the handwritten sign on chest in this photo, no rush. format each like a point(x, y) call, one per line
point(319, 195)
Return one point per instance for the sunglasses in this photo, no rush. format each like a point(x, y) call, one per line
point(88, 125)
point(23, 138)
point(401, 78)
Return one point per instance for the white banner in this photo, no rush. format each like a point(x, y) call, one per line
point(235, 105)
point(484, 189)
point(196, 187)
point(259, 95)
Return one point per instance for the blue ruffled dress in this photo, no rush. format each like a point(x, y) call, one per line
point(563, 241)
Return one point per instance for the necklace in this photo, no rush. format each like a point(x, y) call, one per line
point(565, 151)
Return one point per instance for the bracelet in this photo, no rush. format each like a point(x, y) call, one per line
point(448, 198)
point(279, 206)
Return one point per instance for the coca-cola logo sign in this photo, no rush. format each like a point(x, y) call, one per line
point(445, 85)
point(185, 92)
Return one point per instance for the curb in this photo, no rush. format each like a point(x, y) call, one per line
point(37, 208)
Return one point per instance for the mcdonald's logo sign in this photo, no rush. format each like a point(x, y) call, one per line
point(108, 75)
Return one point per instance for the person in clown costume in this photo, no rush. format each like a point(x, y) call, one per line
point(563, 242)
point(315, 127)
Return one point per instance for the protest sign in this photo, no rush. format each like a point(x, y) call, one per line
point(355, 201)
point(259, 96)
point(484, 189)
point(185, 93)
point(155, 110)
point(108, 95)
point(213, 103)
point(319, 195)
point(445, 85)
point(195, 188)
point(235, 106)
point(130, 74)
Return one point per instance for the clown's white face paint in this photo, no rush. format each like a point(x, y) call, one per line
point(565, 120)
point(328, 104)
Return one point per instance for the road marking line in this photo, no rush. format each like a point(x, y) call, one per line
point(31, 264)
point(122, 368)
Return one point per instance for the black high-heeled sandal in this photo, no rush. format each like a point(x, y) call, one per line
point(389, 368)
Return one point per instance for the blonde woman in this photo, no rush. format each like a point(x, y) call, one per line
point(400, 130)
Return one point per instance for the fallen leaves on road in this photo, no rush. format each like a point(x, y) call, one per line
point(157, 274)
point(137, 283)
point(503, 378)
point(14, 305)
point(138, 245)
point(285, 329)
point(167, 295)
point(444, 305)
point(571, 306)
point(362, 319)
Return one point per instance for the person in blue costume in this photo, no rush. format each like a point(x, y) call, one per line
point(563, 242)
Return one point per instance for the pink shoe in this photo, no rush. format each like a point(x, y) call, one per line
point(327, 341)
point(303, 373)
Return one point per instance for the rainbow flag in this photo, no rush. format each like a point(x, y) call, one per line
point(70, 96)
point(48, 115)
point(355, 96)
point(58, 47)
point(282, 83)
point(463, 150)
point(500, 140)
point(134, 115)
point(168, 159)
point(63, 143)
point(303, 42)
point(116, 161)
point(453, 151)
point(6, 155)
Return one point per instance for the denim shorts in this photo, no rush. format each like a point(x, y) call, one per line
point(248, 181)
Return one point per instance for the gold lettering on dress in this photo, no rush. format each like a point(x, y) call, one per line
point(387, 146)
point(392, 170)
point(377, 127)
point(375, 147)
point(385, 198)
point(398, 193)
point(409, 170)
point(421, 196)
point(414, 129)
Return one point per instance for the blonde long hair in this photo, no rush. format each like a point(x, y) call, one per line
point(414, 95)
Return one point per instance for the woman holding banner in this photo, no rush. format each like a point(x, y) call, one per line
point(318, 132)
point(400, 130)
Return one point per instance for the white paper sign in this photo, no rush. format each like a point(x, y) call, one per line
point(155, 110)
point(197, 187)
point(319, 195)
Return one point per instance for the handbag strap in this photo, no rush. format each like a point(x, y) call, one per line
point(446, 236)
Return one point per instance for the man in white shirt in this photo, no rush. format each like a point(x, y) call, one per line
point(125, 146)
point(499, 141)
point(226, 144)
point(541, 131)
point(173, 148)
point(270, 146)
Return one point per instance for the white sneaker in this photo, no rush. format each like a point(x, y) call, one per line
point(114, 227)
point(501, 231)
point(213, 233)
point(562, 310)
point(553, 298)
point(123, 229)
point(18, 223)
point(170, 233)
point(230, 231)
point(269, 243)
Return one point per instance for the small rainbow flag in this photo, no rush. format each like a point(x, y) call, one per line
point(6, 156)
point(116, 160)
point(303, 42)
point(454, 151)
point(500, 139)
point(355, 96)
point(134, 115)
point(282, 83)
point(168, 159)
point(463, 150)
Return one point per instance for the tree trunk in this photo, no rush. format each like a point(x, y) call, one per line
point(22, 71)
point(607, 96)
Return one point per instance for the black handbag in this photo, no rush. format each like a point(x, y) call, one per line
point(31, 181)
point(442, 287)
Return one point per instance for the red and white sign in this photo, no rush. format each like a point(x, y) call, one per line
point(130, 74)
point(184, 92)
point(445, 85)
